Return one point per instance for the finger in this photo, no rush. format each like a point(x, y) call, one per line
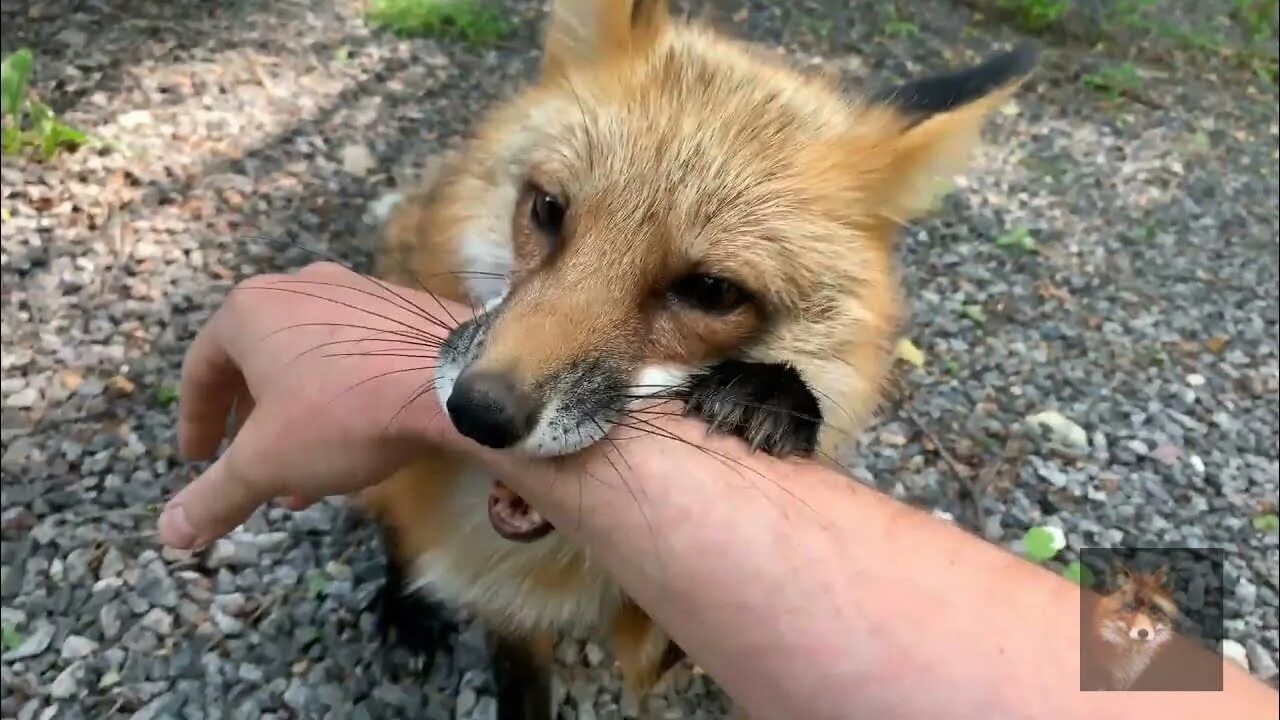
point(297, 503)
point(213, 504)
point(210, 382)
point(244, 404)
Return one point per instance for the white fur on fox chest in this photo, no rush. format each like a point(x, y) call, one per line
point(477, 569)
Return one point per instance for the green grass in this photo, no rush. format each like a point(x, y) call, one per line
point(1035, 15)
point(1242, 34)
point(1254, 19)
point(1020, 238)
point(472, 21)
point(896, 27)
point(27, 123)
point(1114, 81)
point(901, 28)
point(1130, 13)
point(1257, 19)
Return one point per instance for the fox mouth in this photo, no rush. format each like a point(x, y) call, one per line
point(513, 518)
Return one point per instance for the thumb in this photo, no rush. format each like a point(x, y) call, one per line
point(213, 504)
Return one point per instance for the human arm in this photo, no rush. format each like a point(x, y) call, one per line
point(802, 593)
point(807, 595)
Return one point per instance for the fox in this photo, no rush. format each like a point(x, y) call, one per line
point(1130, 626)
point(665, 212)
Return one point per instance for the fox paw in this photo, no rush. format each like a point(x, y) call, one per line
point(410, 620)
point(767, 405)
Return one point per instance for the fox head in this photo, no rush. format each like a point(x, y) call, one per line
point(663, 198)
point(1141, 608)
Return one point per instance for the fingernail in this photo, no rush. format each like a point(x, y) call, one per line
point(175, 528)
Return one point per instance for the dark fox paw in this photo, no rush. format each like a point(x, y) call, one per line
point(767, 405)
point(410, 620)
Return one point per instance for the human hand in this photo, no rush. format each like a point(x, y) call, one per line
point(330, 376)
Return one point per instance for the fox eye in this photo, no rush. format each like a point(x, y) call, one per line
point(709, 293)
point(547, 213)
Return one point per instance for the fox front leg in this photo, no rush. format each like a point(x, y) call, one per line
point(767, 405)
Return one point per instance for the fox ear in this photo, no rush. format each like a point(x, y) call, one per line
point(933, 123)
point(1162, 576)
point(1123, 575)
point(592, 31)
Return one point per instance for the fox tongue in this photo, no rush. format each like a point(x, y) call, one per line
point(513, 518)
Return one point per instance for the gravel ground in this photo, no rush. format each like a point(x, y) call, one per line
point(1147, 317)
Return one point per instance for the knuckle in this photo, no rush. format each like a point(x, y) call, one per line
point(322, 268)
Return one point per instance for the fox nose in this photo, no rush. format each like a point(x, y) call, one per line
point(1142, 634)
point(490, 409)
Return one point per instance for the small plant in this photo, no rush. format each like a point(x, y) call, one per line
point(472, 21)
point(907, 351)
point(11, 638)
point(974, 313)
point(1131, 13)
point(901, 28)
point(1267, 523)
point(1019, 238)
point(1036, 15)
point(1114, 81)
point(1257, 18)
point(1079, 574)
point(166, 395)
point(1041, 544)
point(27, 122)
point(819, 28)
point(318, 582)
point(896, 27)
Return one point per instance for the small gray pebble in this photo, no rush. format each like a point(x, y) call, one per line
point(77, 646)
point(158, 621)
point(68, 682)
point(229, 552)
point(36, 641)
point(1261, 664)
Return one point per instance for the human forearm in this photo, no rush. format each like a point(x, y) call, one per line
point(806, 595)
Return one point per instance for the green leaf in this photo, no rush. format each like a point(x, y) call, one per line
point(50, 133)
point(901, 28)
point(317, 583)
point(908, 351)
point(68, 136)
point(14, 72)
point(11, 637)
point(1079, 574)
point(1019, 237)
point(12, 140)
point(1267, 523)
point(974, 313)
point(166, 395)
point(1041, 544)
point(41, 116)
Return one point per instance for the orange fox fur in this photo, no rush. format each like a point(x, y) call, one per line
point(675, 148)
point(1130, 626)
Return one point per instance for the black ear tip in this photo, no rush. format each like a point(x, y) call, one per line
point(1015, 63)
point(941, 93)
